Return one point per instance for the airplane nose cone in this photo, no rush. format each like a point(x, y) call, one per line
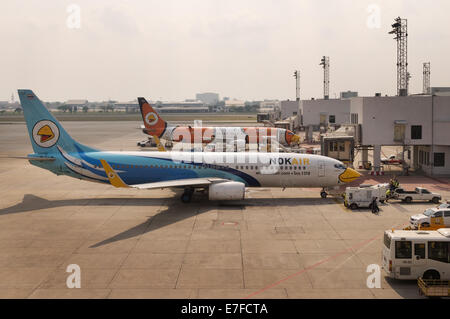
point(295, 138)
point(349, 175)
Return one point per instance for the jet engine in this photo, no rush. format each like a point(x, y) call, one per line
point(226, 191)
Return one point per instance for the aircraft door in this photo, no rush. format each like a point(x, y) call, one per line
point(321, 169)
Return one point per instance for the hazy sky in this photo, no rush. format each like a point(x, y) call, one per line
point(242, 49)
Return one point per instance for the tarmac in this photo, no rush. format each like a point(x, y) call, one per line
point(147, 244)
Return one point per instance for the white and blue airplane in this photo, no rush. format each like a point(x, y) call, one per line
point(224, 175)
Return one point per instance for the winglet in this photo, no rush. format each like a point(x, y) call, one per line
point(113, 177)
point(161, 147)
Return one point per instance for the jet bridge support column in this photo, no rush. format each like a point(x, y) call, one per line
point(309, 133)
point(376, 168)
point(364, 155)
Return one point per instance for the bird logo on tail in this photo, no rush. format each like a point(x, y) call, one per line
point(45, 133)
point(154, 124)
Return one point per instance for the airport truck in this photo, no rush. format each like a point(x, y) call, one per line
point(356, 197)
point(379, 190)
point(419, 193)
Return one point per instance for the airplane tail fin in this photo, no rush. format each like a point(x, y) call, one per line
point(46, 133)
point(154, 124)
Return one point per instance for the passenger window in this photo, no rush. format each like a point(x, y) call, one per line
point(403, 249)
point(439, 251)
point(419, 250)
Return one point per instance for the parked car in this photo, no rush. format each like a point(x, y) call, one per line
point(444, 205)
point(391, 160)
point(419, 193)
point(149, 142)
point(441, 216)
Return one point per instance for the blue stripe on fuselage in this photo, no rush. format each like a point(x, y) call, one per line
point(137, 169)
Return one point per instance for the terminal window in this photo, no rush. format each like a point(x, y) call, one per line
point(332, 119)
point(439, 159)
point(416, 132)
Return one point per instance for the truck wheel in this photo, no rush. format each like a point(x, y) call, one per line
point(353, 206)
point(408, 199)
point(431, 274)
point(435, 200)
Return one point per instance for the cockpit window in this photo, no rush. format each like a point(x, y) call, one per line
point(340, 166)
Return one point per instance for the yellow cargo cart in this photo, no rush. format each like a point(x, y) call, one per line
point(434, 287)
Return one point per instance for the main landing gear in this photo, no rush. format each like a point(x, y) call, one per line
point(187, 195)
point(323, 193)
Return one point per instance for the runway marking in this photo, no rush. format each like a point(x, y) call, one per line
point(359, 245)
point(312, 267)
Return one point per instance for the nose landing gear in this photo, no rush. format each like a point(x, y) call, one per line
point(323, 193)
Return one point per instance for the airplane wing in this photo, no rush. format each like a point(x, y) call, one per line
point(180, 183)
point(116, 181)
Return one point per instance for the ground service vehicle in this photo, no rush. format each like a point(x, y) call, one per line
point(434, 287)
point(356, 197)
point(432, 216)
point(410, 254)
point(419, 193)
point(149, 142)
point(379, 190)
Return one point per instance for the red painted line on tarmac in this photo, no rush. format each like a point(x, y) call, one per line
point(313, 266)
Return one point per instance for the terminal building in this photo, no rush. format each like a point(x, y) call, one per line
point(208, 98)
point(419, 123)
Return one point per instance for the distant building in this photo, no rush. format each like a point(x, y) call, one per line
point(74, 105)
point(289, 108)
point(208, 98)
point(233, 104)
point(269, 105)
point(128, 107)
point(316, 113)
point(348, 94)
point(182, 107)
point(442, 91)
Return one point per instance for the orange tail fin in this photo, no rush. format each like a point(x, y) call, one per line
point(154, 124)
